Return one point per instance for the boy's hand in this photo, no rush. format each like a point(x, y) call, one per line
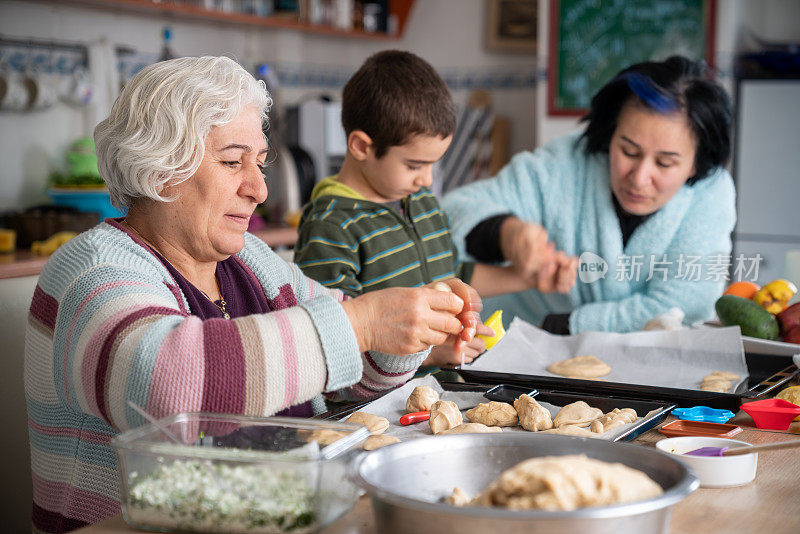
point(525, 245)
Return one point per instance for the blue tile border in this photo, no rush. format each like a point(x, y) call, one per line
point(335, 77)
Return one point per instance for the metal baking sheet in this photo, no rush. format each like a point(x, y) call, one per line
point(652, 413)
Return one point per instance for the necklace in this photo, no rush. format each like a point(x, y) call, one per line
point(221, 305)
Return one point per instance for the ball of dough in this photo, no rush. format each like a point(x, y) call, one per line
point(378, 441)
point(421, 399)
point(459, 497)
point(578, 413)
point(717, 386)
point(493, 414)
point(580, 367)
point(721, 375)
point(532, 415)
point(613, 419)
point(472, 428)
point(790, 394)
point(444, 416)
point(325, 436)
point(374, 423)
point(567, 483)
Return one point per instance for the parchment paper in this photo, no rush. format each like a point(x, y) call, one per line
point(678, 359)
point(392, 406)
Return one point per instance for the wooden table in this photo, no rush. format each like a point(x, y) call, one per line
point(769, 504)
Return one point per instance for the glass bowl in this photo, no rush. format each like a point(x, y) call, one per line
point(203, 472)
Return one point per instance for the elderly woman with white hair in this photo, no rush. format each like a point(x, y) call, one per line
point(177, 308)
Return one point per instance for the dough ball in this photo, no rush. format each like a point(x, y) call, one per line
point(325, 436)
point(532, 415)
point(613, 419)
point(567, 483)
point(374, 423)
point(459, 497)
point(493, 414)
point(572, 430)
point(578, 413)
point(718, 386)
point(790, 394)
point(421, 399)
point(670, 320)
point(444, 416)
point(378, 441)
point(721, 375)
point(580, 367)
point(472, 428)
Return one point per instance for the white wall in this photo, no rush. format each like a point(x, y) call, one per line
point(448, 33)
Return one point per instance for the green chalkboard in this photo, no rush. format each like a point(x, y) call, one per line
point(592, 40)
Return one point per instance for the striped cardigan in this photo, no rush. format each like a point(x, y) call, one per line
point(108, 324)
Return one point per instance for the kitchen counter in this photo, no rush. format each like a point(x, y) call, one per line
point(769, 504)
point(23, 263)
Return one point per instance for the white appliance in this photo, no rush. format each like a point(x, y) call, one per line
point(767, 175)
point(316, 127)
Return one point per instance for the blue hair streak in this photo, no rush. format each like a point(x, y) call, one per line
point(651, 94)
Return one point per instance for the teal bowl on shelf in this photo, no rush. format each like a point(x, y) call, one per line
point(96, 200)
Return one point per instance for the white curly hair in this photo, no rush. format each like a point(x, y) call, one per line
point(156, 131)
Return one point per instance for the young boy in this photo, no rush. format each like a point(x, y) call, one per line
point(376, 224)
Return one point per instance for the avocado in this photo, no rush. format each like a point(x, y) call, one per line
point(751, 317)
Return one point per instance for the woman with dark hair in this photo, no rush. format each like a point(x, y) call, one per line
point(641, 195)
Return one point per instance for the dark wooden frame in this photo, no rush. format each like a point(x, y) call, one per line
point(710, 9)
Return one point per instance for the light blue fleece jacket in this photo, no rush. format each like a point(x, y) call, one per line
point(569, 193)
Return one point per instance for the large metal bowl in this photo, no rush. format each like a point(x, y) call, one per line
point(407, 482)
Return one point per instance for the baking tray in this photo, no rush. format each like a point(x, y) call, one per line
point(660, 409)
point(766, 374)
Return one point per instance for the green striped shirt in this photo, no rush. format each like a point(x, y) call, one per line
point(358, 246)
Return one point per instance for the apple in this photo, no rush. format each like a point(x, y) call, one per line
point(793, 335)
point(789, 318)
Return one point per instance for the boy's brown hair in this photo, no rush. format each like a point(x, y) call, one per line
point(395, 95)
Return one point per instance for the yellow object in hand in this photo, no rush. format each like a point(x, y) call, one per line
point(775, 296)
point(495, 322)
point(49, 245)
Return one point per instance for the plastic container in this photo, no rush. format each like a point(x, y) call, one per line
point(95, 200)
point(713, 471)
point(703, 413)
point(699, 428)
point(236, 474)
point(776, 414)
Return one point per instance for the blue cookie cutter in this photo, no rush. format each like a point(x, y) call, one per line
point(702, 413)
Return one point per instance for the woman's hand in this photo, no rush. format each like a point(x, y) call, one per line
point(408, 320)
point(525, 245)
point(446, 356)
point(470, 314)
point(558, 275)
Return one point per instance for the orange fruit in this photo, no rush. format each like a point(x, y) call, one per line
point(746, 290)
